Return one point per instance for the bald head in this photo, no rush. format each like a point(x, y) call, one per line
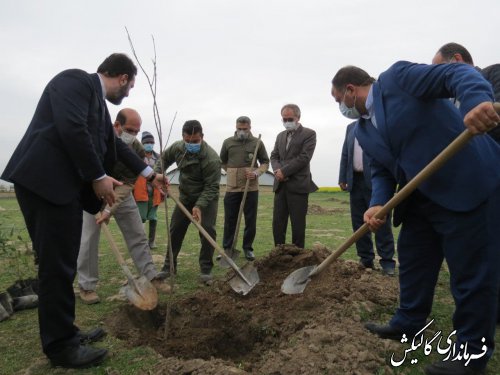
point(452, 53)
point(128, 120)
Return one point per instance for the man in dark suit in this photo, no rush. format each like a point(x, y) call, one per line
point(58, 169)
point(405, 120)
point(290, 159)
point(355, 177)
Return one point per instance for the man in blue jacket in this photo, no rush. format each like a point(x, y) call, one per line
point(405, 120)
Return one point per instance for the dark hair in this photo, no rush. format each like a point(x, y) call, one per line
point(351, 75)
point(243, 120)
point(117, 64)
point(191, 127)
point(294, 107)
point(450, 49)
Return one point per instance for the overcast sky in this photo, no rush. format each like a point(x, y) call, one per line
point(220, 59)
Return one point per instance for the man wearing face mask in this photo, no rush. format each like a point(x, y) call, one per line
point(290, 159)
point(199, 171)
point(127, 126)
point(404, 120)
point(147, 197)
point(236, 156)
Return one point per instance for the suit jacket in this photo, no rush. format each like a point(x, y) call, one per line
point(347, 160)
point(415, 121)
point(69, 142)
point(294, 162)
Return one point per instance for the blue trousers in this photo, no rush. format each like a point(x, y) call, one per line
point(469, 243)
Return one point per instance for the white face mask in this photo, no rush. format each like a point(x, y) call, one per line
point(242, 134)
point(290, 125)
point(127, 138)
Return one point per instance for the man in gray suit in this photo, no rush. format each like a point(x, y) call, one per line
point(290, 158)
point(355, 177)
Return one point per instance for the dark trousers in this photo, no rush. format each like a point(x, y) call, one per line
point(293, 205)
point(232, 203)
point(55, 232)
point(178, 228)
point(469, 243)
point(360, 196)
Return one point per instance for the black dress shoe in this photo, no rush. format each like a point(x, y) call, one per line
point(94, 335)
point(249, 255)
point(386, 331)
point(451, 368)
point(389, 271)
point(78, 357)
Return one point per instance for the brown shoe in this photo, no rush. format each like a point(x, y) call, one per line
point(161, 285)
point(89, 297)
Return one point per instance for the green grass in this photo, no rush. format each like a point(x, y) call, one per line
point(19, 340)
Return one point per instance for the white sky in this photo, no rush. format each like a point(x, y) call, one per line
point(219, 59)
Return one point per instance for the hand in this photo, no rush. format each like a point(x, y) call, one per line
point(343, 186)
point(197, 214)
point(279, 175)
point(104, 217)
point(250, 175)
point(161, 183)
point(481, 118)
point(373, 223)
point(104, 189)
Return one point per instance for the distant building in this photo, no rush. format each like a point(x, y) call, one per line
point(267, 179)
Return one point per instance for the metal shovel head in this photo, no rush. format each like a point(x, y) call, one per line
point(239, 285)
point(141, 293)
point(233, 254)
point(297, 281)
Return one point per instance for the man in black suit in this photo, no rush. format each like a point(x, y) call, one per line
point(290, 158)
point(355, 177)
point(58, 169)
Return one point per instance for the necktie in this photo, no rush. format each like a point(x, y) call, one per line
point(289, 136)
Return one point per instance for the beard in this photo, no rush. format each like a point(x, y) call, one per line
point(117, 97)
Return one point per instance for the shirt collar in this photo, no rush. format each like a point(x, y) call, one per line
point(369, 104)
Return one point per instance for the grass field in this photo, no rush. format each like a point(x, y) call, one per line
point(20, 349)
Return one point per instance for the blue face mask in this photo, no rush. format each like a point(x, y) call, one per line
point(350, 113)
point(148, 147)
point(193, 148)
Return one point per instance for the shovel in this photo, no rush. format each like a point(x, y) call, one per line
point(140, 292)
point(246, 278)
point(297, 281)
point(233, 253)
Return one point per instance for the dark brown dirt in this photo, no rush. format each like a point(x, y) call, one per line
point(216, 331)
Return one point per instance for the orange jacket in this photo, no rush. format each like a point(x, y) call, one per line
point(141, 192)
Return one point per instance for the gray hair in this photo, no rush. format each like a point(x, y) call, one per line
point(294, 107)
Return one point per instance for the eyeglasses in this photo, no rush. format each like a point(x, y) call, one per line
point(289, 119)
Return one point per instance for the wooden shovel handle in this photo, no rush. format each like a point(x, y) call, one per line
point(423, 175)
point(210, 239)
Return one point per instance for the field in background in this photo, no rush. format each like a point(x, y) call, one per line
point(328, 223)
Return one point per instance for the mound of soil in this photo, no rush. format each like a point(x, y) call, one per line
point(216, 331)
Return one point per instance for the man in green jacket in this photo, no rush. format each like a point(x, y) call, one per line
point(236, 154)
point(199, 178)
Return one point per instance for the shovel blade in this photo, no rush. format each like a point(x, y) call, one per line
point(297, 281)
point(141, 293)
point(239, 285)
point(233, 254)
